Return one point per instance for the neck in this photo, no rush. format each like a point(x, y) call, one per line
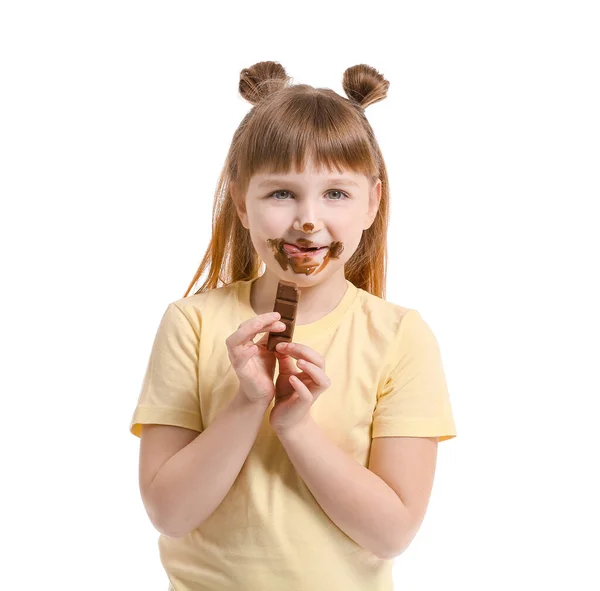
point(315, 301)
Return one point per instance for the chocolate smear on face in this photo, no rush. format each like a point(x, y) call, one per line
point(303, 264)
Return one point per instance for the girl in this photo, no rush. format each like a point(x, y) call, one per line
point(309, 467)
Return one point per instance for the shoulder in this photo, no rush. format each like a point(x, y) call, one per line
point(201, 306)
point(402, 332)
point(384, 316)
point(203, 302)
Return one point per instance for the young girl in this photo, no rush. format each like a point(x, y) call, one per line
point(307, 468)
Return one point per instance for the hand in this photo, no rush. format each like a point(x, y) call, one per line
point(296, 389)
point(253, 364)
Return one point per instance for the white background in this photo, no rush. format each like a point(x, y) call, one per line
point(115, 121)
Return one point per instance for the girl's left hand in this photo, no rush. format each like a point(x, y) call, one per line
point(296, 390)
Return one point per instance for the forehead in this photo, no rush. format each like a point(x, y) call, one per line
point(310, 174)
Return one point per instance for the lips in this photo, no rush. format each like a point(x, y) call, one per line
point(295, 249)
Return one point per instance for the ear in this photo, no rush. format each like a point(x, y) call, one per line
point(374, 199)
point(240, 205)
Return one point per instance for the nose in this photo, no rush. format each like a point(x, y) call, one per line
point(306, 220)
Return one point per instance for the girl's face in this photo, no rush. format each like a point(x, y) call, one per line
point(314, 208)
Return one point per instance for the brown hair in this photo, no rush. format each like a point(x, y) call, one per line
point(287, 125)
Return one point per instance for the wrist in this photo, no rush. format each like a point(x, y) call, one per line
point(242, 401)
point(298, 431)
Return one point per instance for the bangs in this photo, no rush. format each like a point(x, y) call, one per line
point(292, 129)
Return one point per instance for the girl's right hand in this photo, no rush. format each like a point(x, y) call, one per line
point(253, 364)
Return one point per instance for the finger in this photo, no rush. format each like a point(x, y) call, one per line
point(318, 376)
point(301, 389)
point(299, 351)
point(287, 364)
point(248, 329)
point(277, 326)
point(243, 355)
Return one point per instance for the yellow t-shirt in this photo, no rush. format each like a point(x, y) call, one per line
point(269, 533)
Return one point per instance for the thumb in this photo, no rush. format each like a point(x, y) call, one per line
point(287, 365)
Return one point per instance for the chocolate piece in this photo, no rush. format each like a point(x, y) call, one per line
point(286, 303)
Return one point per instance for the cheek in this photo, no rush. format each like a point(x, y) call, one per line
point(350, 234)
point(350, 247)
point(265, 225)
point(268, 222)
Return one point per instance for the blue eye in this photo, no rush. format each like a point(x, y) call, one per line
point(341, 193)
point(275, 193)
point(330, 191)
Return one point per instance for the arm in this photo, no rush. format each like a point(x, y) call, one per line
point(358, 501)
point(192, 483)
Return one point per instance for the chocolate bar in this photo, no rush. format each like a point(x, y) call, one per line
point(286, 303)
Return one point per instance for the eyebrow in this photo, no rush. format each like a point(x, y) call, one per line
point(276, 181)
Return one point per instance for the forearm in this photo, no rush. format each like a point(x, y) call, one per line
point(193, 483)
point(358, 501)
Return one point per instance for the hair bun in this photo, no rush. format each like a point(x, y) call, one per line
point(364, 85)
point(262, 79)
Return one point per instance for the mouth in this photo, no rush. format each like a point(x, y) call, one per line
point(299, 251)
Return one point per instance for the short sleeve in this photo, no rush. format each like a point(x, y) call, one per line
point(169, 394)
point(414, 400)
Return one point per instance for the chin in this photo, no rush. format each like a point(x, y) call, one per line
point(303, 279)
